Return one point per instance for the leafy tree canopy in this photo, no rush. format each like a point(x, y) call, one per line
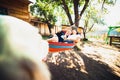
point(44, 11)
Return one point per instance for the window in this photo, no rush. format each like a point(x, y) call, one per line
point(3, 11)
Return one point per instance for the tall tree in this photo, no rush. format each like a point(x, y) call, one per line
point(75, 4)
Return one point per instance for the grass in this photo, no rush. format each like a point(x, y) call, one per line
point(45, 37)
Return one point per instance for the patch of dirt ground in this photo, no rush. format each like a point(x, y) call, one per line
point(88, 61)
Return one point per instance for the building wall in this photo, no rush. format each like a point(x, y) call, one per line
point(43, 28)
point(16, 8)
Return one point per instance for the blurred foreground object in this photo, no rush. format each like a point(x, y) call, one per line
point(21, 51)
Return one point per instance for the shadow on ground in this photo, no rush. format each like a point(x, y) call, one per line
point(75, 65)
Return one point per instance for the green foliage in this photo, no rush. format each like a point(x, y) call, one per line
point(108, 2)
point(50, 10)
point(81, 2)
point(44, 11)
point(94, 14)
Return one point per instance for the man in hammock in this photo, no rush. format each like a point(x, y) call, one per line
point(67, 35)
point(59, 36)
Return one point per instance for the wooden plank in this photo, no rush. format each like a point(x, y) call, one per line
point(22, 9)
point(16, 8)
point(20, 16)
point(12, 4)
point(114, 40)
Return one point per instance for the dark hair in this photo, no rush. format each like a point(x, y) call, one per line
point(74, 27)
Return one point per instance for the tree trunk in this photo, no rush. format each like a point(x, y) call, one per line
point(49, 27)
point(84, 35)
point(84, 31)
point(76, 13)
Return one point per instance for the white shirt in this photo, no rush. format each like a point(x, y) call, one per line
point(74, 37)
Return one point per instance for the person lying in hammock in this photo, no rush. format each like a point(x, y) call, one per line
point(59, 36)
point(70, 36)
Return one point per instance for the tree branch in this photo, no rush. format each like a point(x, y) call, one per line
point(85, 6)
point(65, 7)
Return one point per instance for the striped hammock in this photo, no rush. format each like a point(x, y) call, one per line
point(60, 46)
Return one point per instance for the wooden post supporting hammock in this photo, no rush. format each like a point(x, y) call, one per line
point(60, 46)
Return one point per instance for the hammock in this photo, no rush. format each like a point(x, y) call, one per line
point(60, 46)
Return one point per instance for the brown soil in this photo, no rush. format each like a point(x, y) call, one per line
point(88, 61)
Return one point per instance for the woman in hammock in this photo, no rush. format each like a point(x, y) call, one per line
point(73, 38)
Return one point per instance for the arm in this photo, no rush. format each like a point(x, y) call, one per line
point(53, 39)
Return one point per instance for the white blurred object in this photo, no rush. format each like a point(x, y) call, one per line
point(24, 38)
point(21, 44)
